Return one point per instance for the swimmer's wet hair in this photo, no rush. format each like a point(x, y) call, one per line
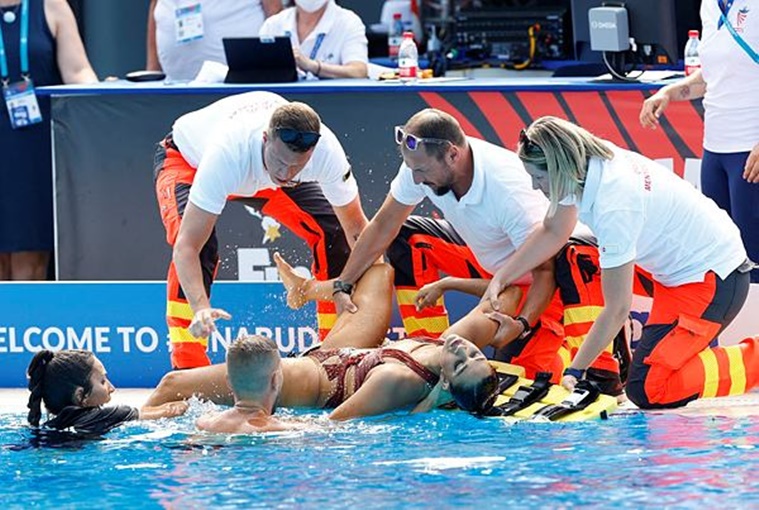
point(54, 378)
point(477, 399)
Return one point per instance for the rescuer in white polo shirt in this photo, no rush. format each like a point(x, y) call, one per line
point(329, 41)
point(271, 154)
point(643, 214)
point(490, 210)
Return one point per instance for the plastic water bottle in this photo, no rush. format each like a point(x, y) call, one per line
point(395, 36)
point(692, 60)
point(408, 58)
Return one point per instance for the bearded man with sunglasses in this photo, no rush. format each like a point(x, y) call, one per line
point(269, 153)
point(490, 209)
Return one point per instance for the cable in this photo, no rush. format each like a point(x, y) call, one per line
point(533, 44)
point(620, 75)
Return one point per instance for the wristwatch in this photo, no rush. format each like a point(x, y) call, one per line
point(577, 373)
point(344, 287)
point(527, 328)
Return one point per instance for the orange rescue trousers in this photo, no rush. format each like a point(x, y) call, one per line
point(426, 247)
point(673, 363)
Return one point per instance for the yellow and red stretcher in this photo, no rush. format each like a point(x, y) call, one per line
point(526, 399)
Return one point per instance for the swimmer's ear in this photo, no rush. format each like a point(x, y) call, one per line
point(79, 396)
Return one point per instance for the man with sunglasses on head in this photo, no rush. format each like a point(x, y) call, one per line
point(266, 152)
point(490, 209)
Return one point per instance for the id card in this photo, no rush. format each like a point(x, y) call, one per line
point(188, 23)
point(22, 105)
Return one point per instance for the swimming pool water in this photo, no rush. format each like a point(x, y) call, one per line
point(441, 460)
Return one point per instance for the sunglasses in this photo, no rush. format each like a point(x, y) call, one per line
point(412, 142)
point(300, 140)
point(524, 140)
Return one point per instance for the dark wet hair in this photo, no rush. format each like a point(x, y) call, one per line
point(54, 378)
point(477, 398)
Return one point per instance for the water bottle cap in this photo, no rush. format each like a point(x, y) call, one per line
point(692, 33)
point(408, 35)
point(397, 15)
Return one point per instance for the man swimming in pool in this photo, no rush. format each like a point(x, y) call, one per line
point(254, 374)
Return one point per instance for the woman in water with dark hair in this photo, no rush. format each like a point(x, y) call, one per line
point(420, 373)
point(74, 387)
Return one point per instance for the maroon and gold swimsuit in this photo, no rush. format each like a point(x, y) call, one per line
point(337, 362)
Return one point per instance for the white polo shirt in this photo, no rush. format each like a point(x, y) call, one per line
point(221, 18)
point(731, 103)
point(640, 211)
point(496, 215)
point(338, 38)
point(224, 141)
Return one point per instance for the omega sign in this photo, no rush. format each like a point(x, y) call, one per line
point(604, 25)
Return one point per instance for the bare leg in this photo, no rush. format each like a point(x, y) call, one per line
point(209, 383)
point(373, 297)
point(368, 326)
point(477, 327)
point(29, 265)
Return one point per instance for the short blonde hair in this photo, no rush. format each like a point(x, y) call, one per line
point(562, 149)
point(251, 361)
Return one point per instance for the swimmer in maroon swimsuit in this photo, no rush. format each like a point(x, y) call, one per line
point(411, 374)
point(344, 374)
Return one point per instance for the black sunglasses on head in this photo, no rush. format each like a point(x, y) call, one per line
point(412, 142)
point(303, 140)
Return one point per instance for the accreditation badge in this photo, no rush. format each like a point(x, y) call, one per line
point(21, 101)
point(188, 23)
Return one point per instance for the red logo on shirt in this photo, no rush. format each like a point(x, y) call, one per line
point(741, 19)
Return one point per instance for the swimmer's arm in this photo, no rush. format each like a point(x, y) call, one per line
point(472, 286)
point(167, 410)
point(388, 388)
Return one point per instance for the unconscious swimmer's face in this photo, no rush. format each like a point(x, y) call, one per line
point(470, 378)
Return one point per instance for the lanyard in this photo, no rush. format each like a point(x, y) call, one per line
point(741, 42)
point(24, 49)
point(724, 6)
point(317, 45)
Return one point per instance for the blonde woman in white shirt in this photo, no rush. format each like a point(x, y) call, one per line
point(643, 214)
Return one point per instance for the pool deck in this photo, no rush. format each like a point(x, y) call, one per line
point(14, 401)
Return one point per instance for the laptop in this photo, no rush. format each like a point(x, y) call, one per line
point(260, 60)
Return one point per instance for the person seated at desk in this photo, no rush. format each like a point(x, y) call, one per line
point(180, 52)
point(328, 40)
point(421, 373)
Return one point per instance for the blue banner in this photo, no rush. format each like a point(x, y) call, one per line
point(123, 324)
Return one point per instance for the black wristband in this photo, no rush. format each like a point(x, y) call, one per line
point(577, 373)
point(344, 287)
point(527, 328)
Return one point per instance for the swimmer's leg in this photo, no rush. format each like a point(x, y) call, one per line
point(373, 297)
point(301, 290)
